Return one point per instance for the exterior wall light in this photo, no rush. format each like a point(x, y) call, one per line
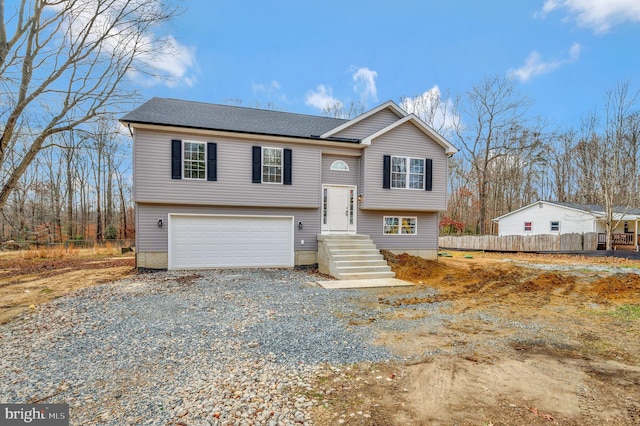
point(159, 223)
point(299, 225)
point(360, 197)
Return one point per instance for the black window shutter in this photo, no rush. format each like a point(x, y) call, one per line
point(386, 172)
point(176, 159)
point(212, 161)
point(428, 174)
point(287, 167)
point(257, 165)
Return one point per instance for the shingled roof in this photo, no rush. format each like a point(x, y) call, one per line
point(595, 208)
point(199, 115)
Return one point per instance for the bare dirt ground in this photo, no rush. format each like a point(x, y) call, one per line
point(527, 340)
point(34, 277)
point(521, 339)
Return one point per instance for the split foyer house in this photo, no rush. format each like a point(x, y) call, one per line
point(225, 186)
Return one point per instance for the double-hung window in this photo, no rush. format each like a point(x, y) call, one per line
point(271, 165)
point(555, 226)
point(528, 226)
point(194, 160)
point(407, 173)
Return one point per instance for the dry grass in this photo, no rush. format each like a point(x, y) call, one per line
point(33, 277)
point(61, 252)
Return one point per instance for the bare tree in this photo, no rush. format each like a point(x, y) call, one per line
point(439, 114)
point(494, 111)
point(561, 163)
point(64, 62)
point(614, 168)
point(340, 110)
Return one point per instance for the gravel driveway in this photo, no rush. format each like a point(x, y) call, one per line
point(212, 347)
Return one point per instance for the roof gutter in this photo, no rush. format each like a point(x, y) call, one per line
point(341, 142)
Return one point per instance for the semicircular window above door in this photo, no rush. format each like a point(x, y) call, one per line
point(339, 165)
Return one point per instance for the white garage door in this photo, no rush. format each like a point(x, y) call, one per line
point(209, 241)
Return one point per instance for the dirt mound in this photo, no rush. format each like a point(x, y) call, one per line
point(548, 282)
point(495, 278)
point(413, 268)
point(618, 286)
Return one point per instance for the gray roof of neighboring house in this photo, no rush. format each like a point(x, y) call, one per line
point(594, 207)
point(199, 115)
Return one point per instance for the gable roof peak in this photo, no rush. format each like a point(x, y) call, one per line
point(392, 106)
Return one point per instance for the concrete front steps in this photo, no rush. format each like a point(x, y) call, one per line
point(351, 257)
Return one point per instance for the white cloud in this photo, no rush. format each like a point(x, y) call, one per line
point(172, 60)
point(598, 15)
point(534, 65)
point(365, 84)
point(157, 59)
point(322, 98)
point(432, 109)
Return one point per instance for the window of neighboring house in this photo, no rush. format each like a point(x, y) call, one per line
point(407, 173)
point(272, 165)
point(194, 160)
point(528, 226)
point(555, 226)
point(394, 225)
point(339, 165)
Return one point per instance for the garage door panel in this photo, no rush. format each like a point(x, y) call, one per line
point(230, 241)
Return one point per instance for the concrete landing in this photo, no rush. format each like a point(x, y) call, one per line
point(369, 283)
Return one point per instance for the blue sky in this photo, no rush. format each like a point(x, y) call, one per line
point(298, 55)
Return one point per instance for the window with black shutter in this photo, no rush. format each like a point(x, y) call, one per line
point(407, 173)
point(272, 165)
point(194, 160)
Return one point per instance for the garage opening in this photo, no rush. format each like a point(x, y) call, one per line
point(222, 241)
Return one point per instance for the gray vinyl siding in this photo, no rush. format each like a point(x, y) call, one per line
point(339, 177)
point(407, 141)
point(369, 125)
point(153, 183)
point(371, 223)
point(150, 238)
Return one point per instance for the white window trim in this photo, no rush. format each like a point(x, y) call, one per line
point(400, 218)
point(340, 166)
point(407, 173)
point(524, 226)
point(281, 166)
point(551, 226)
point(184, 160)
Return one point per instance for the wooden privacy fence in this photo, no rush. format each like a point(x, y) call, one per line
point(528, 243)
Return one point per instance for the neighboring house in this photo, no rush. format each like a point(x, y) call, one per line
point(225, 186)
point(552, 217)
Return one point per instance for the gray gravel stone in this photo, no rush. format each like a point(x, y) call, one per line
point(211, 347)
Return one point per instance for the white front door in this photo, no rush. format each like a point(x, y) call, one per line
point(339, 212)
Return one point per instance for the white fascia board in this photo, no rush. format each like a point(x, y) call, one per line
point(389, 104)
point(449, 149)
